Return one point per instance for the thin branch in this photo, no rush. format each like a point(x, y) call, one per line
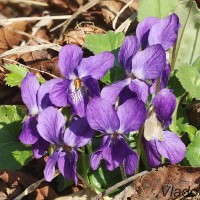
point(61, 17)
point(118, 185)
point(31, 2)
point(87, 184)
point(124, 26)
point(25, 49)
point(32, 187)
point(14, 61)
point(82, 9)
point(120, 12)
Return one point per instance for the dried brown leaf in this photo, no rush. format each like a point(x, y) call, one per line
point(77, 36)
point(170, 182)
point(68, 4)
point(8, 36)
point(14, 183)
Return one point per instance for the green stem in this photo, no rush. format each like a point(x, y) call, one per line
point(173, 57)
point(139, 148)
point(157, 85)
point(123, 173)
point(84, 166)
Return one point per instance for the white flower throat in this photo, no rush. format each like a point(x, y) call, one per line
point(153, 128)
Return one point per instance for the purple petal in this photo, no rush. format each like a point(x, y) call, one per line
point(69, 58)
point(140, 88)
point(171, 147)
point(97, 155)
point(49, 170)
point(29, 89)
point(67, 165)
point(29, 134)
point(165, 103)
point(58, 94)
point(78, 99)
point(149, 63)
point(129, 48)
point(131, 121)
point(78, 134)
point(95, 159)
point(153, 156)
point(165, 76)
point(50, 125)
point(44, 91)
point(101, 116)
point(40, 147)
point(96, 66)
point(126, 94)
point(143, 28)
point(92, 86)
point(116, 153)
point(131, 163)
point(165, 32)
point(163, 79)
point(111, 92)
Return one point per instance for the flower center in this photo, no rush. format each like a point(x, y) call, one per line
point(67, 148)
point(114, 135)
point(77, 83)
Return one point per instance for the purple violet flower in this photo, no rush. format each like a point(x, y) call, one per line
point(81, 77)
point(163, 79)
point(139, 67)
point(102, 117)
point(158, 141)
point(158, 31)
point(51, 124)
point(36, 98)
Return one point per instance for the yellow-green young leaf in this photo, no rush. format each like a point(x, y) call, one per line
point(16, 76)
point(189, 79)
point(103, 42)
point(155, 8)
point(188, 44)
point(193, 151)
point(13, 154)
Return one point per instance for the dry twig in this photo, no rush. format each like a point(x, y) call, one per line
point(120, 12)
point(114, 187)
point(35, 18)
point(82, 9)
point(14, 61)
point(124, 26)
point(25, 49)
point(30, 2)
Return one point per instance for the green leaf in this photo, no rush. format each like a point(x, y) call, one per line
point(193, 151)
point(13, 154)
point(110, 41)
point(103, 42)
point(191, 130)
point(16, 76)
point(101, 179)
point(189, 79)
point(188, 44)
point(115, 74)
point(155, 8)
point(196, 64)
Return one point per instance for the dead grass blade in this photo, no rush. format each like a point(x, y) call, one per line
point(24, 49)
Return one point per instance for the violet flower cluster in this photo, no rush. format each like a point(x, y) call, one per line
point(115, 111)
